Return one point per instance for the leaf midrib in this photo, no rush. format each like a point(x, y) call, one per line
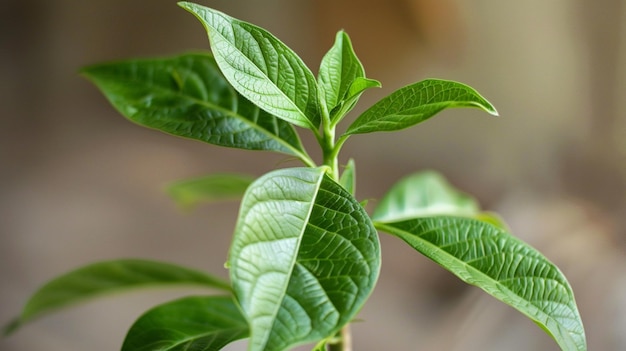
point(263, 74)
point(202, 335)
point(294, 260)
point(390, 229)
point(209, 105)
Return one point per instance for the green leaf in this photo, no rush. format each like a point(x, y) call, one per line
point(199, 323)
point(187, 96)
point(358, 86)
point(108, 277)
point(338, 71)
point(215, 187)
point(486, 256)
point(261, 67)
point(424, 194)
point(348, 177)
point(416, 103)
point(304, 258)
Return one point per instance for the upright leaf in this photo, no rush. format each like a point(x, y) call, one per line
point(341, 77)
point(215, 187)
point(416, 103)
point(304, 258)
point(261, 67)
point(486, 256)
point(423, 194)
point(187, 96)
point(199, 323)
point(348, 177)
point(107, 277)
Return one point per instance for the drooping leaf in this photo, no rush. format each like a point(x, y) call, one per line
point(107, 277)
point(304, 258)
point(423, 194)
point(199, 323)
point(486, 256)
point(348, 177)
point(215, 187)
point(342, 77)
point(261, 67)
point(416, 103)
point(188, 96)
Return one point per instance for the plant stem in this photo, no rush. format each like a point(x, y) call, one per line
point(344, 342)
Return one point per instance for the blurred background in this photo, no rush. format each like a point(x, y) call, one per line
point(79, 183)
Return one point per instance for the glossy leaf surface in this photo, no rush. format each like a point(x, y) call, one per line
point(304, 258)
point(107, 277)
point(199, 323)
point(188, 96)
point(261, 67)
point(416, 103)
point(486, 256)
point(215, 187)
point(423, 194)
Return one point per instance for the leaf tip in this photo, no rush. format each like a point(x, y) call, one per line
point(11, 327)
point(492, 111)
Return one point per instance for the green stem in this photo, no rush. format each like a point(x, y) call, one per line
point(344, 342)
point(330, 156)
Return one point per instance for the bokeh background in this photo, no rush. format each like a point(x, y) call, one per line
point(79, 184)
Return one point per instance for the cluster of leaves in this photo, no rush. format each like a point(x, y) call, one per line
point(305, 254)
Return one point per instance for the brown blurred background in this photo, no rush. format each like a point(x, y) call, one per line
point(78, 183)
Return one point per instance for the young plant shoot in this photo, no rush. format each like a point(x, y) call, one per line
point(305, 255)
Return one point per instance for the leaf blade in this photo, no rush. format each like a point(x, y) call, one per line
point(299, 275)
point(106, 277)
point(338, 69)
point(423, 194)
point(486, 256)
point(202, 323)
point(416, 103)
point(260, 67)
point(187, 96)
point(188, 193)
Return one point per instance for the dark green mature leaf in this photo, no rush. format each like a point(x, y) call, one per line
point(107, 277)
point(215, 187)
point(188, 96)
point(416, 103)
point(424, 194)
point(261, 67)
point(341, 78)
point(486, 256)
point(304, 258)
point(199, 323)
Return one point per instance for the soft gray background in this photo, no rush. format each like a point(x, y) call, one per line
point(78, 183)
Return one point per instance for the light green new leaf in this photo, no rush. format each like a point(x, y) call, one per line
point(486, 256)
point(304, 258)
point(416, 103)
point(215, 187)
point(188, 96)
point(358, 86)
point(348, 177)
point(342, 77)
point(199, 323)
point(107, 277)
point(424, 194)
point(261, 67)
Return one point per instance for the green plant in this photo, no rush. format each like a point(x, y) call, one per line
point(305, 254)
